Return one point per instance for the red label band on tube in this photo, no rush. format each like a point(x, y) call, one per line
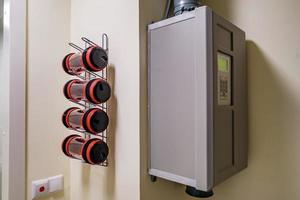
point(91, 89)
point(88, 60)
point(88, 120)
point(88, 151)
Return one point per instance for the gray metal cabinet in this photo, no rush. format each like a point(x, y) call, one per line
point(197, 99)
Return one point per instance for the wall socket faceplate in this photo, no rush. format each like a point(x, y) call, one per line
point(46, 186)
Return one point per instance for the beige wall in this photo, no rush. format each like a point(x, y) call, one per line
point(273, 54)
point(273, 51)
point(119, 19)
point(48, 34)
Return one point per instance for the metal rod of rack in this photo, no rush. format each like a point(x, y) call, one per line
point(84, 103)
point(105, 42)
point(90, 134)
point(93, 75)
point(76, 47)
point(89, 42)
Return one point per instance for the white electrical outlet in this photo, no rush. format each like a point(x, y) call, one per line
point(46, 186)
point(40, 188)
point(56, 183)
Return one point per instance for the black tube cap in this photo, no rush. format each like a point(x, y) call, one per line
point(99, 153)
point(98, 59)
point(101, 91)
point(198, 193)
point(98, 121)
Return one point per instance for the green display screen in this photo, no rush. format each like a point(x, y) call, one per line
point(223, 63)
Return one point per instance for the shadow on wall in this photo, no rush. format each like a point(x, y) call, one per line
point(56, 195)
point(113, 107)
point(273, 110)
point(108, 173)
point(265, 173)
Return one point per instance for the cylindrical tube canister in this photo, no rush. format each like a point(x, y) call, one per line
point(95, 91)
point(93, 59)
point(92, 151)
point(93, 120)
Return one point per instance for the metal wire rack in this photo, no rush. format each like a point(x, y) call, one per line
point(88, 75)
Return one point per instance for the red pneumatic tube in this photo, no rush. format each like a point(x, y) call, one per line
point(95, 91)
point(92, 59)
point(93, 151)
point(93, 120)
